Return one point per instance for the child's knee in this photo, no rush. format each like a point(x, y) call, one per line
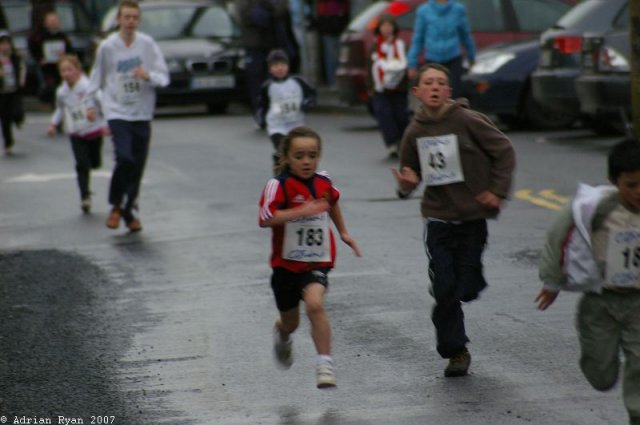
point(314, 308)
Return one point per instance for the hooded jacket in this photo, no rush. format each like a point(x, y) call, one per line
point(487, 160)
point(439, 30)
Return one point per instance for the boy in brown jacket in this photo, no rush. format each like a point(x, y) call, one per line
point(467, 165)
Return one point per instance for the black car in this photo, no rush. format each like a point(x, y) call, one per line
point(15, 15)
point(499, 83)
point(199, 42)
point(604, 85)
point(553, 82)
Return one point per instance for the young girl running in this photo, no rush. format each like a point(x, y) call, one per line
point(81, 121)
point(297, 205)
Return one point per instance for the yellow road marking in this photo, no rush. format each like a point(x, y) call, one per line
point(525, 195)
point(552, 195)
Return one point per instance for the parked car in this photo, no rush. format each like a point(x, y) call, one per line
point(499, 83)
point(553, 81)
point(15, 15)
point(491, 22)
point(604, 84)
point(199, 42)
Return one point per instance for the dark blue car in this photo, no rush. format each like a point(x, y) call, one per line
point(500, 83)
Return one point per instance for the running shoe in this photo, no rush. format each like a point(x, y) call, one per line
point(325, 374)
point(282, 350)
point(458, 364)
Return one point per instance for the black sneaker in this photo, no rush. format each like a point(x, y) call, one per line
point(458, 364)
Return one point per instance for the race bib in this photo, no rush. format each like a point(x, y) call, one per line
point(623, 258)
point(53, 50)
point(307, 239)
point(75, 117)
point(129, 89)
point(440, 160)
point(288, 108)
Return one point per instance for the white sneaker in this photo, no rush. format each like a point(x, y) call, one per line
point(282, 350)
point(325, 374)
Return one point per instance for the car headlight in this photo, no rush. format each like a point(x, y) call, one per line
point(491, 64)
point(174, 65)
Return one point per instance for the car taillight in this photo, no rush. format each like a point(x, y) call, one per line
point(397, 8)
point(611, 60)
point(568, 44)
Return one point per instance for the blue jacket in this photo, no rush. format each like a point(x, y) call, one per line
point(439, 30)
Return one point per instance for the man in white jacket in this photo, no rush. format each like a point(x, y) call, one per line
point(128, 67)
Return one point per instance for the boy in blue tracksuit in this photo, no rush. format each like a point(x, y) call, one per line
point(440, 28)
point(283, 100)
point(594, 247)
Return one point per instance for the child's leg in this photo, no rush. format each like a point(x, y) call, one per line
point(631, 348)
point(468, 259)
point(6, 121)
point(313, 296)
point(288, 322)
point(83, 165)
point(599, 336)
point(95, 152)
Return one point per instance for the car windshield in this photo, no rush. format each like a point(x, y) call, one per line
point(175, 22)
point(592, 15)
point(71, 20)
point(360, 22)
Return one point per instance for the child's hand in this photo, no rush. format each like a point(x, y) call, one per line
point(91, 114)
point(140, 74)
point(346, 238)
point(106, 131)
point(407, 178)
point(314, 207)
point(51, 130)
point(489, 200)
point(545, 298)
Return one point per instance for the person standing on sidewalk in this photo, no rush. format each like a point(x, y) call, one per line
point(440, 28)
point(467, 165)
point(331, 17)
point(128, 67)
point(12, 78)
point(47, 45)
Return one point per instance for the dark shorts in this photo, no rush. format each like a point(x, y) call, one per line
point(288, 286)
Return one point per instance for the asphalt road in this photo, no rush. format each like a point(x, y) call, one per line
point(173, 325)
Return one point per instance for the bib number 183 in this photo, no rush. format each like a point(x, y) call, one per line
point(310, 236)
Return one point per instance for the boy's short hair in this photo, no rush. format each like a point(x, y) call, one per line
point(624, 157)
point(127, 3)
point(277, 56)
point(427, 66)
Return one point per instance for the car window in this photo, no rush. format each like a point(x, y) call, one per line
point(360, 22)
point(538, 15)
point(484, 15)
point(166, 22)
point(214, 22)
point(590, 15)
point(622, 21)
point(72, 19)
point(18, 17)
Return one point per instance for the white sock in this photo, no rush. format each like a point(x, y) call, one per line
point(325, 358)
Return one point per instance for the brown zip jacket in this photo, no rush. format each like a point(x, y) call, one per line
point(486, 156)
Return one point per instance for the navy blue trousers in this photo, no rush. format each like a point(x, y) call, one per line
point(131, 144)
point(455, 268)
point(391, 110)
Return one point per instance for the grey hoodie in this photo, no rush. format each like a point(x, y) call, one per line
point(487, 160)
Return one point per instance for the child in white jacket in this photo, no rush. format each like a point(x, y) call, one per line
point(82, 122)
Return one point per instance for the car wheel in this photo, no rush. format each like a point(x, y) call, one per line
point(217, 108)
point(512, 121)
point(538, 117)
point(606, 126)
